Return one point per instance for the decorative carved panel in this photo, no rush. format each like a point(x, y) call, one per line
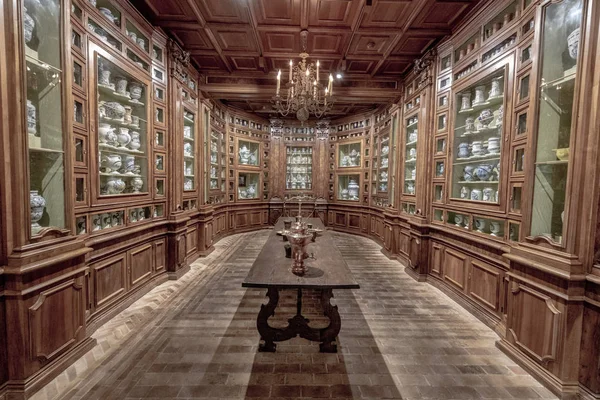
point(241, 219)
point(160, 255)
point(404, 242)
point(141, 264)
point(534, 322)
point(388, 14)
point(109, 279)
point(340, 219)
point(255, 218)
point(455, 268)
point(484, 284)
point(277, 12)
point(192, 240)
point(354, 221)
point(437, 254)
point(56, 319)
point(338, 13)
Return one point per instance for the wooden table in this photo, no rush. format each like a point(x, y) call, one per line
point(327, 270)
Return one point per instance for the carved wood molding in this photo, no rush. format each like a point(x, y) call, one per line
point(180, 62)
point(424, 68)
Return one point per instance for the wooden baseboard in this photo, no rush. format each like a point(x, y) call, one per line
point(206, 252)
point(108, 313)
point(21, 390)
point(415, 275)
point(389, 254)
point(584, 394)
point(492, 321)
point(3, 391)
point(175, 275)
point(565, 391)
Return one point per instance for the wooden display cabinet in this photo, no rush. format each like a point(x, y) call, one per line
point(249, 186)
point(299, 168)
point(383, 157)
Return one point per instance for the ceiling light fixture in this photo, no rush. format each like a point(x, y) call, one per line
point(338, 75)
point(304, 94)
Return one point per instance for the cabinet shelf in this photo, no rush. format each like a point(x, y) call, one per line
point(413, 124)
point(126, 175)
point(570, 78)
point(411, 144)
point(557, 162)
point(109, 91)
point(119, 122)
point(120, 150)
point(478, 182)
point(45, 150)
point(411, 161)
point(188, 139)
point(488, 131)
point(492, 101)
point(473, 159)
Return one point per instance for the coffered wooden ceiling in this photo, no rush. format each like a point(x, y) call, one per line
point(238, 45)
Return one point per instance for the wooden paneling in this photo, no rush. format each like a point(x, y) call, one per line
point(340, 218)
point(437, 257)
point(484, 284)
point(533, 322)
point(590, 350)
point(192, 240)
point(388, 14)
point(354, 221)
point(277, 12)
point(455, 268)
point(241, 219)
point(256, 218)
point(404, 244)
point(141, 264)
point(56, 319)
point(109, 279)
point(160, 255)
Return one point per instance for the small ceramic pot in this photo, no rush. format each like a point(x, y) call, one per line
point(135, 143)
point(470, 124)
point(111, 162)
point(101, 110)
point(106, 221)
point(120, 185)
point(486, 117)
point(187, 132)
point(141, 214)
point(489, 194)
point(410, 188)
point(114, 110)
point(479, 95)
point(187, 149)
point(121, 85)
point(141, 42)
point(494, 145)
point(104, 77)
point(37, 204)
point(484, 171)
point(465, 192)
point(496, 90)
point(135, 90)
point(135, 121)
point(96, 222)
point(476, 195)
point(477, 148)
point(137, 184)
point(129, 164)
point(463, 150)
point(107, 13)
point(480, 224)
point(127, 117)
point(413, 174)
point(412, 137)
point(133, 215)
point(465, 101)
point(132, 36)
point(412, 153)
point(103, 131)
point(573, 43)
point(31, 118)
point(495, 228)
point(458, 219)
point(468, 173)
point(123, 137)
point(28, 26)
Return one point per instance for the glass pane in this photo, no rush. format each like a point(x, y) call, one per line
point(459, 220)
point(137, 60)
point(438, 215)
point(410, 155)
point(515, 199)
point(519, 160)
point(392, 164)
point(440, 145)
point(160, 187)
point(349, 155)
point(524, 88)
point(76, 39)
point(78, 112)
point(438, 192)
point(348, 187)
point(105, 36)
point(477, 134)
point(248, 153)
point(157, 53)
point(77, 74)
point(81, 225)
point(522, 124)
point(514, 230)
point(76, 10)
point(160, 139)
point(43, 82)
point(299, 168)
point(122, 131)
point(189, 150)
point(159, 93)
point(248, 184)
point(136, 36)
point(79, 190)
point(489, 226)
point(108, 11)
point(445, 63)
point(79, 151)
point(559, 57)
point(107, 220)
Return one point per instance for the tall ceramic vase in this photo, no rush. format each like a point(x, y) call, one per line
point(37, 205)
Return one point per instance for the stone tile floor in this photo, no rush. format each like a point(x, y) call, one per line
point(196, 338)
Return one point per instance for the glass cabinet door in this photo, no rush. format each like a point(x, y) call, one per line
point(559, 54)
point(410, 155)
point(478, 122)
point(122, 131)
point(383, 176)
point(43, 80)
point(298, 168)
point(189, 150)
point(215, 161)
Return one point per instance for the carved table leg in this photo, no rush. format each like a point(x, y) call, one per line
point(266, 332)
point(328, 335)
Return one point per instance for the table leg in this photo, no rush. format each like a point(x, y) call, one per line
point(329, 334)
point(298, 325)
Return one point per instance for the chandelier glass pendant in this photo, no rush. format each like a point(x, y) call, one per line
point(303, 93)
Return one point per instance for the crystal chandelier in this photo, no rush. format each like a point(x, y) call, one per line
point(303, 94)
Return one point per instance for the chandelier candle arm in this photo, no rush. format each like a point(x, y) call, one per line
point(318, 63)
point(291, 63)
point(278, 82)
